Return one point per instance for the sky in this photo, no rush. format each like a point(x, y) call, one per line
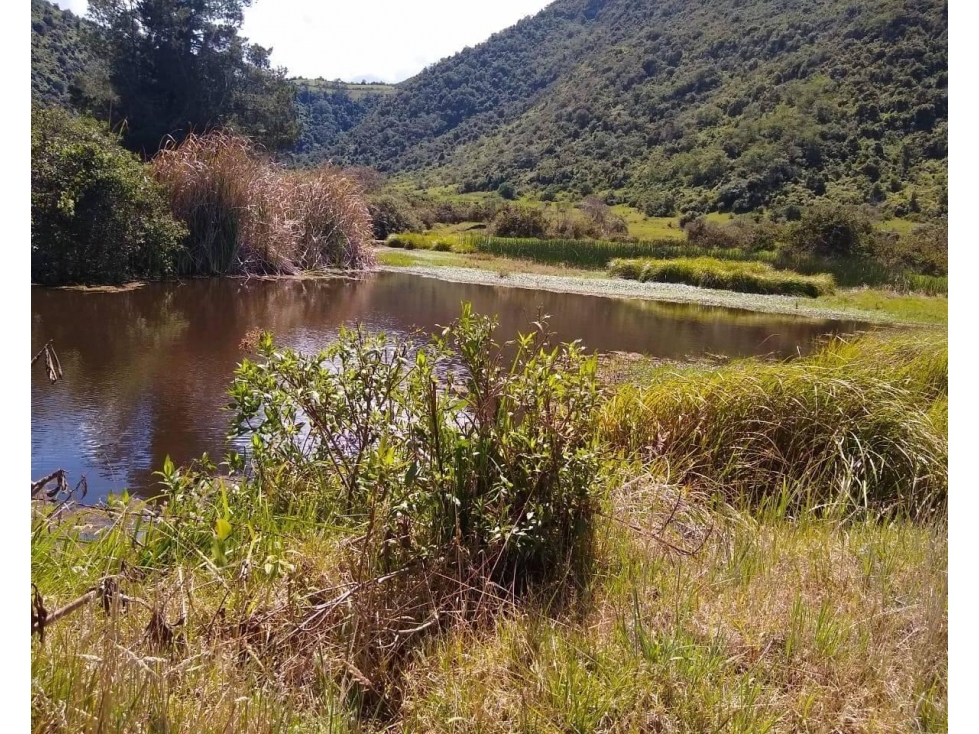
point(385, 40)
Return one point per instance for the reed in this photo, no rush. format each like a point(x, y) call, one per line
point(246, 214)
point(705, 272)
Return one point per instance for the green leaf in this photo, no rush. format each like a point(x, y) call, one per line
point(222, 528)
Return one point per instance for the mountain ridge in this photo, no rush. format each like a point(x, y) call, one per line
point(720, 104)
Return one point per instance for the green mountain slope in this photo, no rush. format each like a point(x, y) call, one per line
point(58, 55)
point(690, 104)
point(328, 109)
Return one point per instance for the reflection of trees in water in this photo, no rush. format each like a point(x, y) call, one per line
point(147, 370)
point(109, 344)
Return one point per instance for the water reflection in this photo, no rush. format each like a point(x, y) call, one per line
point(146, 371)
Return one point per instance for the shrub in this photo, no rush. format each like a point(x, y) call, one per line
point(458, 478)
point(390, 214)
point(705, 272)
point(246, 214)
point(519, 221)
point(443, 448)
point(607, 223)
point(702, 233)
point(858, 422)
point(741, 233)
point(96, 217)
point(924, 250)
point(831, 231)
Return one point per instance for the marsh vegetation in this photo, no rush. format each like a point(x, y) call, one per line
point(422, 535)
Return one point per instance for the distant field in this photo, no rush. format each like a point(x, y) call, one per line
point(649, 228)
point(356, 91)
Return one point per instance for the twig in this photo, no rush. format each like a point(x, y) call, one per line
point(653, 536)
point(105, 590)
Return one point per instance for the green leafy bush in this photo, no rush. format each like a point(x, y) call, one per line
point(390, 214)
point(831, 231)
point(440, 454)
point(740, 233)
point(96, 214)
point(924, 250)
point(519, 221)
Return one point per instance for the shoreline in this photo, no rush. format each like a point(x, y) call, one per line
point(579, 283)
point(665, 292)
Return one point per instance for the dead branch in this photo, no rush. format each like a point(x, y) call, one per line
point(62, 486)
point(51, 362)
point(106, 591)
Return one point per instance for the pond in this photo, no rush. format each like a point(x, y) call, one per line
point(146, 371)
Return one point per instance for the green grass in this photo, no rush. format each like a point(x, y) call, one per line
point(854, 423)
point(716, 641)
point(914, 308)
point(396, 259)
point(642, 227)
point(438, 241)
point(705, 272)
point(599, 253)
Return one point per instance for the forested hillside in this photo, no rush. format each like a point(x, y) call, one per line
point(327, 109)
point(667, 105)
point(58, 55)
point(685, 104)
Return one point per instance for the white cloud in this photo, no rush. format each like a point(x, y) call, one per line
point(78, 7)
point(390, 39)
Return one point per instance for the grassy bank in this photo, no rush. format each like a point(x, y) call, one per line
point(862, 421)
point(599, 253)
point(708, 272)
point(656, 556)
point(869, 304)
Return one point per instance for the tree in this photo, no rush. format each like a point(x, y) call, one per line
point(96, 215)
point(177, 66)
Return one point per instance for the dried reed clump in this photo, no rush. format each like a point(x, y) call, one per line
point(246, 214)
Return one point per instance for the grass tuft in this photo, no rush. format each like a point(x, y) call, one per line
point(705, 272)
point(852, 424)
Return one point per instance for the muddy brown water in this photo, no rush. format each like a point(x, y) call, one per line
point(146, 371)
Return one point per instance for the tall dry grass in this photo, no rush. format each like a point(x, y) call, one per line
point(247, 214)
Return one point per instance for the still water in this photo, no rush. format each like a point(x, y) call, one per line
point(146, 371)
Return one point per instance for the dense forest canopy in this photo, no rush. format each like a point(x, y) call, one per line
point(328, 109)
point(58, 55)
point(161, 68)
